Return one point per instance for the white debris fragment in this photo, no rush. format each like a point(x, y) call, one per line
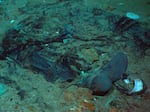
point(132, 15)
point(12, 21)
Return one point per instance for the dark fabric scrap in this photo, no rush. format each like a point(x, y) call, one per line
point(51, 70)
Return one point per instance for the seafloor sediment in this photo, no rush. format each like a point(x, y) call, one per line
point(82, 35)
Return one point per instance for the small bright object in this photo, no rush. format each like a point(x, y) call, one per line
point(138, 86)
point(12, 21)
point(132, 15)
point(82, 73)
point(127, 81)
point(65, 41)
point(57, 32)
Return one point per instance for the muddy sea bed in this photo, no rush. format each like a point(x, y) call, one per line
point(78, 36)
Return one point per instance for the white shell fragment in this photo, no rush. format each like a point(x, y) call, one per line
point(132, 15)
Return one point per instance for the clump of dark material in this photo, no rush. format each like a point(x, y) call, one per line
point(11, 42)
point(22, 94)
point(97, 12)
point(24, 51)
point(51, 70)
point(141, 36)
point(124, 24)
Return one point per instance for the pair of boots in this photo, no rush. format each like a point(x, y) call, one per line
point(113, 73)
